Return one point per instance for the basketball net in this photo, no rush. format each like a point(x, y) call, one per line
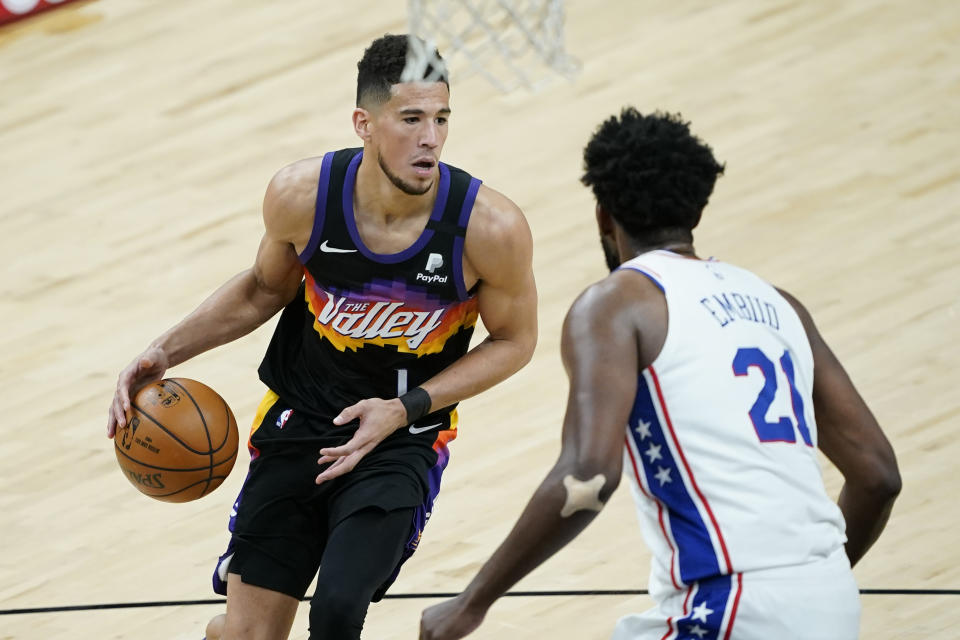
point(505, 41)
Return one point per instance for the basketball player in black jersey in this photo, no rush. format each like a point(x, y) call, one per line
point(382, 258)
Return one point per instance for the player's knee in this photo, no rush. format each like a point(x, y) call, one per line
point(215, 627)
point(337, 613)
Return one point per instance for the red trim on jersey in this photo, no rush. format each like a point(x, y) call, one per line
point(636, 472)
point(736, 603)
point(683, 458)
point(642, 267)
point(670, 628)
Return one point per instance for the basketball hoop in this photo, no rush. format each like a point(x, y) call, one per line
point(505, 41)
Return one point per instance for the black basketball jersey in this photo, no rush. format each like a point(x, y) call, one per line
point(368, 325)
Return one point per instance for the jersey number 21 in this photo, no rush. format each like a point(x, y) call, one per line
point(783, 429)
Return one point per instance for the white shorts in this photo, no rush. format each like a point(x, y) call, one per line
point(815, 601)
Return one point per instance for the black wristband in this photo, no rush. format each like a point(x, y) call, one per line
point(417, 402)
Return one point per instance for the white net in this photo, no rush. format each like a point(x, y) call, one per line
point(511, 43)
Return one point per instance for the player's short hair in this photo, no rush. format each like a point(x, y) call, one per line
point(650, 173)
point(382, 65)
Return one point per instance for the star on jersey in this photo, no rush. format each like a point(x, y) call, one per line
point(643, 428)
point(697, 630)
point(701, 612)
point(663, 475)
point(653, 453)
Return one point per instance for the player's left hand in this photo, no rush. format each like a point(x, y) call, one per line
point(449, 620)
point(378, 419)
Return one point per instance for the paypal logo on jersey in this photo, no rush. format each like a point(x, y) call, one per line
point(431, 279)
point(434, 262)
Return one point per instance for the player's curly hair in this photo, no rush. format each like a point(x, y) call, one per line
point(650, 173)
point(381, 67)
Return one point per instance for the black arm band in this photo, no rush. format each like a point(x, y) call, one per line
point(417, 403)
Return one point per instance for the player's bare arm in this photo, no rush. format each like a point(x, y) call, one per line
point(498, 256)
point(245, 301)
point(602, 352)
point(851, 438)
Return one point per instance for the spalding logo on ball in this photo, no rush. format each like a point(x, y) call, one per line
point(180, 442)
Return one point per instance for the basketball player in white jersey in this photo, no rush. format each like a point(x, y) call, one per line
point(710, 389)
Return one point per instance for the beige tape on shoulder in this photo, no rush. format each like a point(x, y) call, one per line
point(582, 494)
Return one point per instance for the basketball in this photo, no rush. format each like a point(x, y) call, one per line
point(180, 442)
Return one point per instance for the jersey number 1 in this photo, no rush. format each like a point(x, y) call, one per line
point(782, 430)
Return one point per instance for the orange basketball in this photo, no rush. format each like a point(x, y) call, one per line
point(180, 442)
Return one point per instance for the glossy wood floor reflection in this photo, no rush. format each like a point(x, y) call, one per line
point(136, 139)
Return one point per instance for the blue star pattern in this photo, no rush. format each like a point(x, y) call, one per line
point(696, 556)
point(711, 600)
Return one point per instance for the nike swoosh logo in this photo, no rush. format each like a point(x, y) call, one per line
point(416, 430)
point(328, 249)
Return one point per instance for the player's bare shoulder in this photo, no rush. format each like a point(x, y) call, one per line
point(624, 304)
point(290, 201)
point(498, 242)
point(613, 299)
point(624, 289)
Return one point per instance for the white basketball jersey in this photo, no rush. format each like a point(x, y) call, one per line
point(721, 443)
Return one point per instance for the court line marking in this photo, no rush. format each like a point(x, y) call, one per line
point(412, 596)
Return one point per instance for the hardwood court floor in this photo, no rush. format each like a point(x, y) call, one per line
point(136, 139)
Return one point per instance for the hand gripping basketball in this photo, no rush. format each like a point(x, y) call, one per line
point(148, 367)
point(181, 440)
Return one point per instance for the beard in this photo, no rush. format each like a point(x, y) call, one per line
point(610, 253)
point(398, 182)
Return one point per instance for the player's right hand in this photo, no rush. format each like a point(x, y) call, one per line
point(145, 368)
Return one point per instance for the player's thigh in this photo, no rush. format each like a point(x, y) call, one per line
point(364, 549)
point(818, 601)
point(281, 523)
point(255, 613)
point(815, 601)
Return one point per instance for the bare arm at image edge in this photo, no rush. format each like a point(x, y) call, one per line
point(848, 434)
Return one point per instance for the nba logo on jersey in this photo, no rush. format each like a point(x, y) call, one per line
point(282, 419)
point(434, 262)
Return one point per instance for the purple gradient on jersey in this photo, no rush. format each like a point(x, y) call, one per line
point(434, 476)
point(462, 292)
point(320, 213)
point(468, 201)
point(378, 290)
point(219, 584)
point(465, 212)
point(348, 215)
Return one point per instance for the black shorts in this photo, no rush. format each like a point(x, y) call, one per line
point(283, 519)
